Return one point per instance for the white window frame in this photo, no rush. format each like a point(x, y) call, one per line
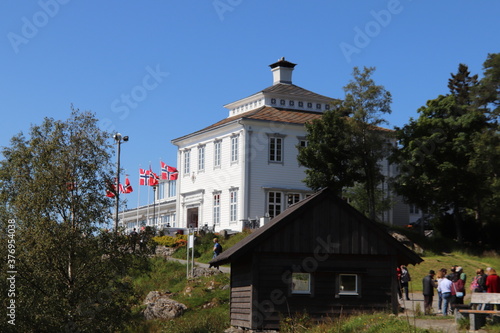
point(234, 148)
point(233, 205)
point(303, 142)
point(217, 153)
point(276, 149)
point(341, 289)
point(201, 158)
point(274, 207)
point(162, 190)
point(216, 209)
point(296, 198)
point(172, 188)
point(295, 288)
point(187, 161)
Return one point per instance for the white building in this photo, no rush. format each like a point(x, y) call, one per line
point(243, 169)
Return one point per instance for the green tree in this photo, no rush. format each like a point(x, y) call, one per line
point(447, 155)
point(489, 87)
point(53, 190)
point(329, 155)
point(367, 102)
point(347, 144)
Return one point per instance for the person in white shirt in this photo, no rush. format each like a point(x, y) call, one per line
point(445, 288)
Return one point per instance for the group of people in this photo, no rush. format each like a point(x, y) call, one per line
point(140, 238)
point(451, 287)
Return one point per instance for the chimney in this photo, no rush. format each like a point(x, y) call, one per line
point(282, 71)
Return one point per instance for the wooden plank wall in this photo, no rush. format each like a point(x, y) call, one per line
point(275, 299)
point(344, 231)
point(241, 294)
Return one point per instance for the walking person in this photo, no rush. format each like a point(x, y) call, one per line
point(133, 239)
point(493, 286)
point(428, 286)
point(441, 275)
point(478, 284)
point(445, 287)
point(217, 250)
point(457, 291)
point(398, 275)
point(405, 278)
point(461, 274)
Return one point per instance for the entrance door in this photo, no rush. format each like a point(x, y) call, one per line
point(192, 217)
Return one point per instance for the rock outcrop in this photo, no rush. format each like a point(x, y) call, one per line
point(161, 306)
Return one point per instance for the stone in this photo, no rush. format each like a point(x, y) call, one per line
point(161, 306)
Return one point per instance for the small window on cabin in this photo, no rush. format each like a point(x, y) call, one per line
point(348, 284)
point(301, 283)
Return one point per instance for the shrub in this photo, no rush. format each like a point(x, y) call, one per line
point(170, 241)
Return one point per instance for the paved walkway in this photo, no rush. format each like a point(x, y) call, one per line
point(440, 323)
point(223, 269)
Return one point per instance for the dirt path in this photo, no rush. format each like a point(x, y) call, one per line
point(439, 323)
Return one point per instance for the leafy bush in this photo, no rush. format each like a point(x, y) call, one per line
point(170, 241)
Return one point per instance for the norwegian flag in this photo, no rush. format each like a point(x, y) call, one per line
point(111, 191)
point(168, 172)
point(127, 188)
point(154, 179)
point(143, 177)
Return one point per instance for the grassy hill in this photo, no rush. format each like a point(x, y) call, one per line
point(207, 298)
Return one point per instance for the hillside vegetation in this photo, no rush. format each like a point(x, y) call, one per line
point(207, 298)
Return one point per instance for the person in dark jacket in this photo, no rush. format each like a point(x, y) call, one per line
point(428, 284)
point(405, 279)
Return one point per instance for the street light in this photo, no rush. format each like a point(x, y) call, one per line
point(118, 139)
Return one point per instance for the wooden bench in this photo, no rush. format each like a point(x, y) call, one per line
point(476, 312)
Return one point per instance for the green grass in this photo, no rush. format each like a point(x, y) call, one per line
point(208, 302)
point(206, 299)
point(370, 323)
point(204, 246)
point(468, 262)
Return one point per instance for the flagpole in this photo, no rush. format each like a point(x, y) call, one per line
point(147, 218)
point(138, 201)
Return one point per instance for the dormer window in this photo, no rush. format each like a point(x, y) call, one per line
point(301, 104)
point(309, 105)
point(282, 102)
point(273, 100)
point(327, 106)
point(318, 106)
point(291, 103)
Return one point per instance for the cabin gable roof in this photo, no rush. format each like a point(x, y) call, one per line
point(322, 222)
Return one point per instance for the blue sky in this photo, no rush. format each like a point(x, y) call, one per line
point(158, 70)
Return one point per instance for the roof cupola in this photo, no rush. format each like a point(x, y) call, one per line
point(282, 71)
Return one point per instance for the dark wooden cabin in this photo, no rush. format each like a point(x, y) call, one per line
point(321, 256)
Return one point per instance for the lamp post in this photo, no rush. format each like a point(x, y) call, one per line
point(118, 139)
